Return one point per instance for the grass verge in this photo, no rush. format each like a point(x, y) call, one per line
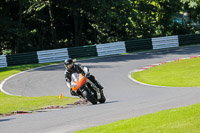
point(184, 73)
point(179, 120)
point(9, 104)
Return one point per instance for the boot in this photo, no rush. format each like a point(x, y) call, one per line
point(99, 85)
point(92, 78)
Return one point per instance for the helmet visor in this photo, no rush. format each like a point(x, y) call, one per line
point(69, 66)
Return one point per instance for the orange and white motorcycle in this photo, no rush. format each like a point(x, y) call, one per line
point(86, 89)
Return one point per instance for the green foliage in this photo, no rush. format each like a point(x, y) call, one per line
point(192, 8)
point(14, 35)
point(32, 25)
point(192, 3)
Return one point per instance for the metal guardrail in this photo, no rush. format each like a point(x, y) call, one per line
point(52, 55)
point(141, 44)
point(165, 42)
point(82, 51)
point(189, 39)
point(3, 61)
point(98, 50)
point(111, 48)
point(22, 58)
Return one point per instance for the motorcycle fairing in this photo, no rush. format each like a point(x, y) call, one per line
point(77, 81)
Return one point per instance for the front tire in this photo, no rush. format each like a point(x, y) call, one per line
point(89, 97)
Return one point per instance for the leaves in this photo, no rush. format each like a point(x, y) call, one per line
point(46, 24)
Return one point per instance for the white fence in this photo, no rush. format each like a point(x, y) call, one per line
point(3, 61)
point(111, 48)
point(52, 55)
point(165, 42)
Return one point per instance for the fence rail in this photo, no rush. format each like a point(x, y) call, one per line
point(3, 61)
point(165, 42)
point(98, 50)
point(135, 45)
point(52, 55)
point(189, 39)
point(22, 58)
point(111, 48)
point(82, 51)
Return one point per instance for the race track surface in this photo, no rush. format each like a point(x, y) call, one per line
point(125, 98)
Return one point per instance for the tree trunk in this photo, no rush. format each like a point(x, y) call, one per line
point(78, 25)
point(53, 28)
point(19, 26)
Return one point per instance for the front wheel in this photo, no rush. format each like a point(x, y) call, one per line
point(89, 97)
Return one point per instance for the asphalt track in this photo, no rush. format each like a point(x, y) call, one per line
point(125, 98)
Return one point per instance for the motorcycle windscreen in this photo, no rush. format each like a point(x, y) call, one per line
point(77, 81)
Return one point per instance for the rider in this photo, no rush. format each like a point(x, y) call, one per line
point(72, 67)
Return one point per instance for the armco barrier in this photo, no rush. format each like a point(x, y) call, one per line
point(82, 51)
point(3, 62)
point(189, 39)
point(22, 58)
point(111, 48)
point(52, 55)
point(165, 42)
point(135, 45)
point(98, 50)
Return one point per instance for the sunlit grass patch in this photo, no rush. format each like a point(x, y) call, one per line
point(184, 73)
point(9, 104)
point(179, 120)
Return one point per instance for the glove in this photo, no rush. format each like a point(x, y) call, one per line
point(73, 93)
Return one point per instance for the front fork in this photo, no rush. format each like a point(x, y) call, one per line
point(81, 90)
point(95, 88)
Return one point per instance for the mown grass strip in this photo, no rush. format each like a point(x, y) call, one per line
point(179, 120)
point(184, 73)
point(9, 104)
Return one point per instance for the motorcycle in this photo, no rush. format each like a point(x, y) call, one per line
point(86, 89)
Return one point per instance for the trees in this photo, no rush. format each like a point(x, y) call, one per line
point(13, 33)
point(90, 22)
point(191, 10)
point(30, 25)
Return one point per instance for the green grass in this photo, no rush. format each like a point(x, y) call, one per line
point(9, 104)
point(180, 120)
point(184, 73)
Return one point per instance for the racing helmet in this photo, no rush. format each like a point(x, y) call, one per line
point(68, 63)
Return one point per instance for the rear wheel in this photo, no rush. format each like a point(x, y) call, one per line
point(89, 97)
point(103, 98)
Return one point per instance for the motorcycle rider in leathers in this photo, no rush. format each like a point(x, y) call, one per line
point(72, 67)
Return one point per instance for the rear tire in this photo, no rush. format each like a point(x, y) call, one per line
point(89, 97)
point(103, 98)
